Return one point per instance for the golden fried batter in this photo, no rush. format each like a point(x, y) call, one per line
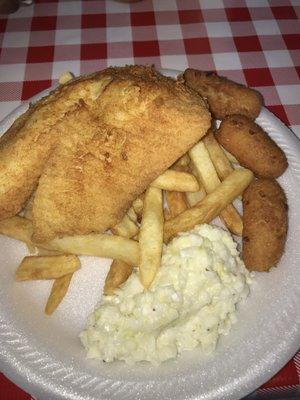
point(27, 144)
point(265, 224)
point(110, 149)
point(224, 96)
point(252, 146)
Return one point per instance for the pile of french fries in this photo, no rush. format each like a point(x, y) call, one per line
point(200, 186)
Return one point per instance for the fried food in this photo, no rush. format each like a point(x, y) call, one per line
point(112, 148)
point(176, 204)
point(58, 292)
point(126, 227)
point(26, 146)
point(151, 235)
point(252, 146)
point(182, 162)
point(224, 96)
point(65, 77)
point(211, 206)
point(46, 267)
point(217, 156)
point(176, 181)
point(118, 273)
point(98, 245)
point(18, 228)
point(193, 198)
point(208, 177)
point(265, 224)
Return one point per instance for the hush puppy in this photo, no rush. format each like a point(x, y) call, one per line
point(252, 146)
point(224, 96)
point(265, 224)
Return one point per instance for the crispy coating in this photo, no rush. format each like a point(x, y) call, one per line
point(27, 144)
point(265, 224)
point(252, 146)
point(111, 149)
point(224, 96)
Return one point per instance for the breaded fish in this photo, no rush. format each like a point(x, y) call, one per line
point(224, 96)
point(252, 146)
point(27, 144)
point(111, 149)
point(265, 224)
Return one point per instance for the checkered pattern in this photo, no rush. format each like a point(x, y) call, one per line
point(255, 42)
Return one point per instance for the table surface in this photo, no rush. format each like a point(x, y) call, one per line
point(254, 42)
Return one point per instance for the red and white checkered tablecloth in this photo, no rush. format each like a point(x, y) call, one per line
point(255, 42)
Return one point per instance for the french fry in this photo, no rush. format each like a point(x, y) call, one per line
point(98, 245)
point(118, 273)
point(176, 203)
point(230, 156)
point(217, 155)
point(151, 235)
point(126, 227)
point(176, 181)
point(27, 212)
point(47, 252)
point(210, 180)
point(138, 206)
point(17, 228)
point(132, 214)
point(58, 292)
point(65, 77)
point(47, 267)
point(194, 197)
point(167, 214)
point(183, 161)
point(211, 206)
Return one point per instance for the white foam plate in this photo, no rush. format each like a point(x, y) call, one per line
point(44, 356)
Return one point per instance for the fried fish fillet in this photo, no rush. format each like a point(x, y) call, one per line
point(111, 149)
point(27, 144)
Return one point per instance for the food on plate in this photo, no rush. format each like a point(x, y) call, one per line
point(98, 245)
point(191, 302)
point(176, 181)
point(208, 177)
point(111, 148)
point(59, 290)
point(18, 228)
point(126, 227)
point(65, 78)
point(224, 96)
point(26, 146)
point(119, 270)
point(183, 161)
point(151, 235)
point(265, 224)
point(118, 273)
point(211, 206)
point(194, 197)
point(102, 153)
point(138, 206)
point(176, 204)
point(132, 215)
point(46, 267)
point(252, 146)
point(217, 156)
point(230, 156)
